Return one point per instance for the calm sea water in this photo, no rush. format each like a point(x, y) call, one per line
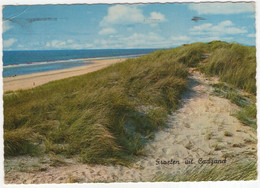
point(26, 62)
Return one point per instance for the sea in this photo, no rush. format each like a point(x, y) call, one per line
point(26, 62)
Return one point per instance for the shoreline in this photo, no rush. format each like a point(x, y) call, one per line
point(36, 79)
point(83, 60)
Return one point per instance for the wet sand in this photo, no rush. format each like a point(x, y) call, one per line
point(36, 79)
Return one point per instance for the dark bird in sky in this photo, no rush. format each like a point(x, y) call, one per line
point(197, 18)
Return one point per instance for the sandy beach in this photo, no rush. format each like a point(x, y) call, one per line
point(36, 79)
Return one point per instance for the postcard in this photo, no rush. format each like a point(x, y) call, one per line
point(129, 92)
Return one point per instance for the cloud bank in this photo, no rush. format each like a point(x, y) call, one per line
point(223, 28)
point(222, 8)
point(9, 42)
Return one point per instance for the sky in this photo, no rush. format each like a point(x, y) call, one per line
point(125, 26)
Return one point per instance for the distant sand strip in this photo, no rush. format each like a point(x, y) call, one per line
point(32, 80)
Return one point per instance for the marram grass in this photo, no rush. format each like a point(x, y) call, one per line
point(237, 170)
point(96, 116)
point(247, 103)
point(107, 116)
point(234, 64)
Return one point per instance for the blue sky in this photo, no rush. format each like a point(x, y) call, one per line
point(120, 26)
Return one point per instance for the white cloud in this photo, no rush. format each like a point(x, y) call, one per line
point(6, 26)
point(120, 14)
point(129, 29)
point(251, 16)
point(185, 39)
point(202, 27)
point(124, 14)
point(180, 38)
point(148, 40)
point(68, 44)
point(127, 15)
point(135, 40)
point(70, 41)
point(107, 31)
point(251, 35)
point(9, 42)
point(225, 23)
point(222, 8)
point(153, 40)
point(138, 39)
point(223, 28)
point(56, 44)
point(157, 16)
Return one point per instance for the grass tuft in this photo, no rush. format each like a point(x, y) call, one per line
point(227, 133)
point(247, 112)
point(238, 170)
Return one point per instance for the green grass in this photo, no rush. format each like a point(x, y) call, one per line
point(234, 64)
point(239, 170)
point(227, 133)
point(247, 103)
point(20, 141)
point(247, 115)
point(96, 116)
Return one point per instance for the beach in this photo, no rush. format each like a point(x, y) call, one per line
point(36, 79)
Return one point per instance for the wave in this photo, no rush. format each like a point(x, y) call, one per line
point(67, 61)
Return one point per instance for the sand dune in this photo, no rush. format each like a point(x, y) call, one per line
point(196, 130)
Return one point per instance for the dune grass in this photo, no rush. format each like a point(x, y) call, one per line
point(246, 102)
point(237, 170)
point(97, 116)
point(107, 116)
point(234, 64)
